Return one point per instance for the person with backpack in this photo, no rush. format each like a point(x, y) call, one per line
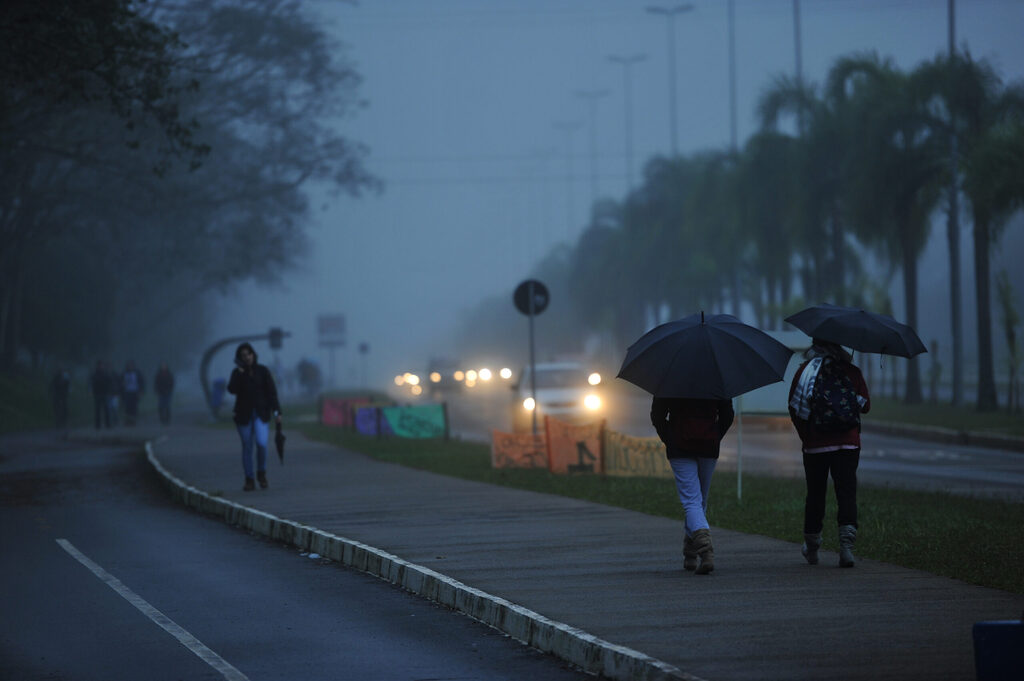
point(826, 399)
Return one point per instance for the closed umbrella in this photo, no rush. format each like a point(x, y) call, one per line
point(858, 329)
point(279, 439)
point(715, 358)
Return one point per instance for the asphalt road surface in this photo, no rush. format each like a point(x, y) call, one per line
point(770, 446)
point(103, 578)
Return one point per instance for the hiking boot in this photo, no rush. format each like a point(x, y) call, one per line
point(249, 485)
point(847, 538)
point(262, 477)
point(705, 552)
point(689, 555)
point(812, 542)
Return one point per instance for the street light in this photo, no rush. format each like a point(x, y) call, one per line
point(568, 128)
point(670, 14)
point(627, 61)
point(592, 96)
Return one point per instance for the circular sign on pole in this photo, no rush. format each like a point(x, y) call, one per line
point(531, 297)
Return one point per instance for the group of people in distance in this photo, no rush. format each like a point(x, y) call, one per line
point(692, 430)
point(113, 391)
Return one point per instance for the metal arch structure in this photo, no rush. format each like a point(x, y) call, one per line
point(204, 364)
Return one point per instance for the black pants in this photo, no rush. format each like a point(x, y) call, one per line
point(843, 467)
point(102, 403)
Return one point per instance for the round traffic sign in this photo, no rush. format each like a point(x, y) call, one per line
point(531, 297)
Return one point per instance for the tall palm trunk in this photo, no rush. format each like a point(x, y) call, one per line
point(839, 255)
point(987, 398)
point(914, 394)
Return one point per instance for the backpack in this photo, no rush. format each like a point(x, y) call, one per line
point(833, 400)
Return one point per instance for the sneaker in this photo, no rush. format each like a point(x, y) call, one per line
point(262, 477)
point(249, 485)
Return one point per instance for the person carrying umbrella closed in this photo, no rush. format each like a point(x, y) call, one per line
point(694, 367)
point(255, 401)
point(826, 398)
point(692, 430)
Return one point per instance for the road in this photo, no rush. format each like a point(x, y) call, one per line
point(769, 445)
point(104, 578)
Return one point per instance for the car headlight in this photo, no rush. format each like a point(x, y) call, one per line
point(529, 404)
point(592, 402)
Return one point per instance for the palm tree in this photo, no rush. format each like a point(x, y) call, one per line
point(897, 170)
point(985, 119)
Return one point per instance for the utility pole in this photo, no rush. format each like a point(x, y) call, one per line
point(567, 128)
point(953, 236)
point(591, 97)
point(670, 15)
point(627, 61)
point(732, 76)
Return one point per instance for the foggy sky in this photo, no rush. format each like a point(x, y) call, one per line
point(463, 100)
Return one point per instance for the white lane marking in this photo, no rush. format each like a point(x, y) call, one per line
point(188, 640)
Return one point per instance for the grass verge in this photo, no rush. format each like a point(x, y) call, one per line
point(980, 541)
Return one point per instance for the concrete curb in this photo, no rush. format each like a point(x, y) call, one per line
point(573, 645)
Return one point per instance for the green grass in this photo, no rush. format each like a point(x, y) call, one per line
point(946, 416)
point(25, 403)
point(937, 532)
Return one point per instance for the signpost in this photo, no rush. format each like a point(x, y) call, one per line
point(531, 298)
point(331, 335)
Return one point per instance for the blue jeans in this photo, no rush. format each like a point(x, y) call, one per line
point(693, 482)
point(255, 432)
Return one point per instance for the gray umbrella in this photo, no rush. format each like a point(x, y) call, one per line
point(858, 329)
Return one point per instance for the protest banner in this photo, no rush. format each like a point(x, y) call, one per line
point(337, 411)
point(518, 450)
point(420, 421)
point(573, 448)
point(629, 456)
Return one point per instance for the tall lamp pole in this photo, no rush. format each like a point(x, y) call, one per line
point(953, 235)
point(627, 61)
point(568, 128)
point(591, 97)
point(670, 15)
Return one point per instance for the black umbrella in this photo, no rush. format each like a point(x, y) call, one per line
point(279, 439)
point(718, 358)
point(857, 329)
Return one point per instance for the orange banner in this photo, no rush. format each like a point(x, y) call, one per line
point(573, 448)
point(518, 450)
point(635, 456)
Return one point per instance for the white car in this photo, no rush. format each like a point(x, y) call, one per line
point(564, 390)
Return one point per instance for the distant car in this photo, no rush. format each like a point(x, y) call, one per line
point(564, 390)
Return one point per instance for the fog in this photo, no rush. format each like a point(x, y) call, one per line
point(467, 103)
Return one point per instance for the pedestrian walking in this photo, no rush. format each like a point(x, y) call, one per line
point(133, 383)
point(60, 387)
point(102, 389)
point(692, 430)
point(826, 399)
point(255, 403)
point(163, 385)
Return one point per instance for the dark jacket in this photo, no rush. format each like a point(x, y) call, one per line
point(254, 391)
point(691, 428)
point(163, 383)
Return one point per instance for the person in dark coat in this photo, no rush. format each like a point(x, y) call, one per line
point(692, 430)
point(828, 451)
point(60, 386)
point(255, 403)
point(100, 381)
point(163, 385)
point(133, 383)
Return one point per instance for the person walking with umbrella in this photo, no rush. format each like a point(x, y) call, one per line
point(255, 402)
point(826, 398)
point(694, 367)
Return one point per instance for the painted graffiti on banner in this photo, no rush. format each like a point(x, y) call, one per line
point(518, 450)
point(574, 448)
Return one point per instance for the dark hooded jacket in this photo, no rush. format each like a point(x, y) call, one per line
point(254, 390)
point(691, 428)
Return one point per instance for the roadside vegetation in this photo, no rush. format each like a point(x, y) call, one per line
point(975, 540)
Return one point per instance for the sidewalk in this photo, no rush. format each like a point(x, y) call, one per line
point(599, 586)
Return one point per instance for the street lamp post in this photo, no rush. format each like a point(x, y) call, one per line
point(627, 61)
point(568, 128)
point(591, 96)
point(670, 15)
